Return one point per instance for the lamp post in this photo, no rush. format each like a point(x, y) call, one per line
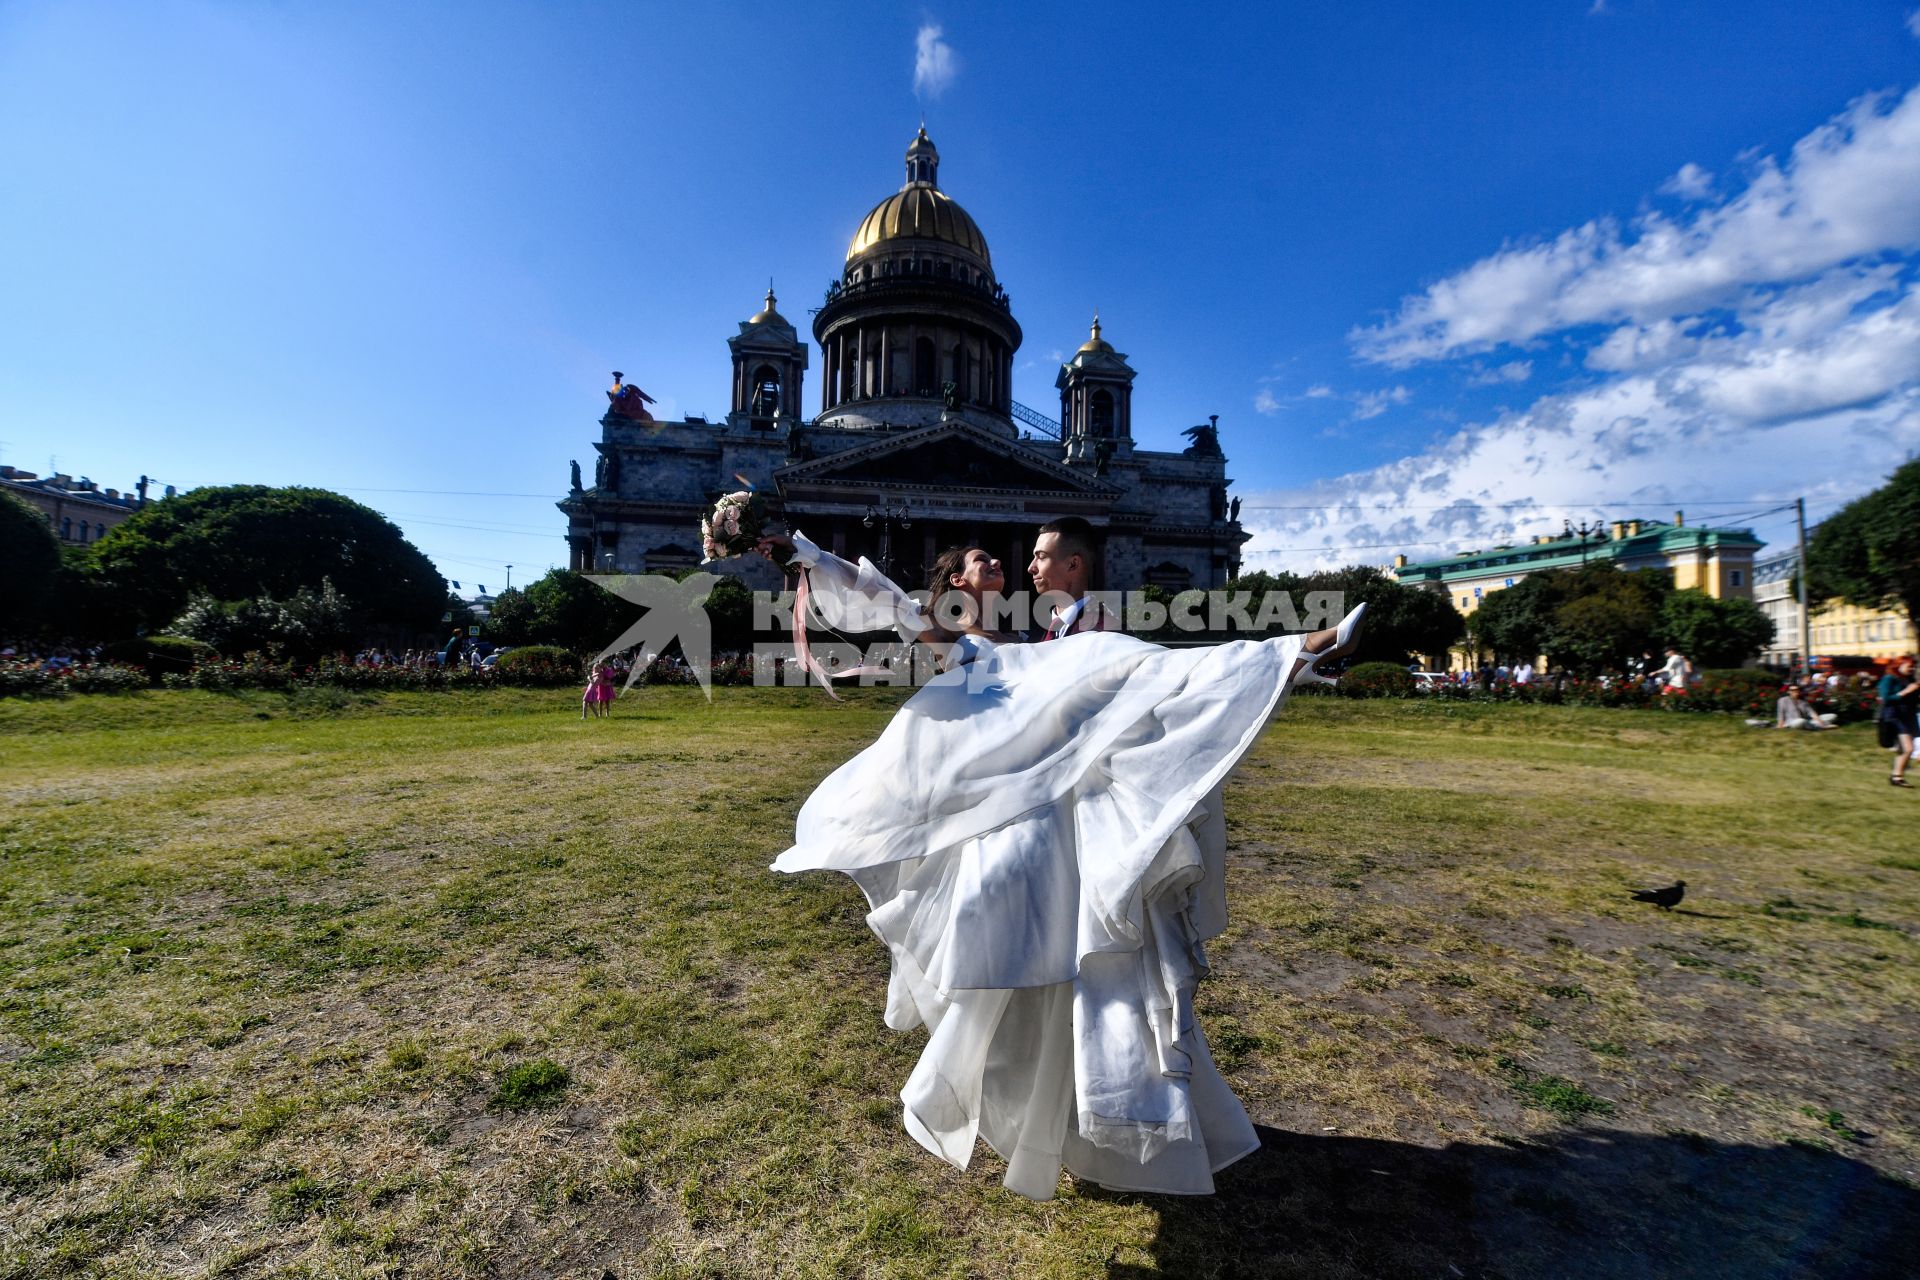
point(887, 516)
point(1584, 534)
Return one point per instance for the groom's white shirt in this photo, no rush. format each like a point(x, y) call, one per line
point(1063, 619)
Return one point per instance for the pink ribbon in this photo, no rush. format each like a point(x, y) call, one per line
point(802, 654)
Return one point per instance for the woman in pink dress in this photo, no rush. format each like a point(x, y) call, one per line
point(599, 694)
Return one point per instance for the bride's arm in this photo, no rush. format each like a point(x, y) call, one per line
point(854, 597)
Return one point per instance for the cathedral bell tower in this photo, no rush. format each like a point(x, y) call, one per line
point(1096, 402)
point(769, 361)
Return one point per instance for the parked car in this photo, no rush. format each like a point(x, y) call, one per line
point(1429, 679)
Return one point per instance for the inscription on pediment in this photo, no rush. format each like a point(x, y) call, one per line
point(950, 463)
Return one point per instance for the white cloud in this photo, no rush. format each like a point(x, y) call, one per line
point(1264, 403)
point(1850, 190)
point(1814, 391)
point(1512, 371)
point(1642, 346)
point(935, 64)
point(1371, 404)
point(1319, 391)
point(1690, 183)
point(1913, 22)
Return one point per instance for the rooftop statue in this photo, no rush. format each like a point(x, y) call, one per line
point(1206, 440)
point(629, 401)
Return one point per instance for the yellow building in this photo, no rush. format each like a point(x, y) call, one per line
point(1837, 629)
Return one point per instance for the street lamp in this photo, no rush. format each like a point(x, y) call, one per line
point(1583, 533)
point(887, 516)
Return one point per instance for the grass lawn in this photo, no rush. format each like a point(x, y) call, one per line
point(458, 984)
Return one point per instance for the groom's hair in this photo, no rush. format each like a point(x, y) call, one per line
point(1076, 538)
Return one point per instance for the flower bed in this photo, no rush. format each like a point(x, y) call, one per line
point(29, 679)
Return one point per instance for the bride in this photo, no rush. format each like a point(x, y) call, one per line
point(1039, 834)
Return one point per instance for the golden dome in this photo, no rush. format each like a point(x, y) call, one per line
point(920, 210)
point(767, 315)
point(923, 213)
point(1096, 342)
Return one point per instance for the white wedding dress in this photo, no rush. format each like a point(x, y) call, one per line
point(1039, 834)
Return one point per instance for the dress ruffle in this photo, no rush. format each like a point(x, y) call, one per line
point(1040, 838)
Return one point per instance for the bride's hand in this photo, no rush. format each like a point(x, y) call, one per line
point(773, 542)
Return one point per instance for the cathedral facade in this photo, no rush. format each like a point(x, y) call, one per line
point(917, 443)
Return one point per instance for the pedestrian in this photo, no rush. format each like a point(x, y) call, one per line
point(1677, 673)
point(1899, 693)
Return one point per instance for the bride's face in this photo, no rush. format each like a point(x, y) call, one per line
point(979, 573)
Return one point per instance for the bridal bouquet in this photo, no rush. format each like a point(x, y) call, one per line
point(734, 526)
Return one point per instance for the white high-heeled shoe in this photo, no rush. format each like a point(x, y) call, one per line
point(1344, 637)
point(1307, 675)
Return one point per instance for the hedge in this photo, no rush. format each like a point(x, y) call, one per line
point(539, 664)
point(159, 654)
point(1376, 680)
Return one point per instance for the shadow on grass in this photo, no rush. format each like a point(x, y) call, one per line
point(1585, 1205)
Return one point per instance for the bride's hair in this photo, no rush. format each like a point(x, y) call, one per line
point(940, 581)
point(949, 562)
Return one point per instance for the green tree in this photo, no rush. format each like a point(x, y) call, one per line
point(248, 542)
point(305, 626)
point(1403, 620)
point(1868, 552)
point(1608, 616)
point(1586, 619)
point(32, 556)
point(574, 613)
point(1513, 623)
point(510, 620)
point(86, 606)
point(730, 605)
point(1713, 632)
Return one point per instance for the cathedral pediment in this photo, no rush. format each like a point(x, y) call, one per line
point(947, 457)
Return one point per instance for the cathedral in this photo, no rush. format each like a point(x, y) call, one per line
point(917, 443)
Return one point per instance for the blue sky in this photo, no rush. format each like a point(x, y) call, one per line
point(1448, 274)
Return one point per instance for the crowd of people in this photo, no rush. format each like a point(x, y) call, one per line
point(57, 657)
point(1675, 675)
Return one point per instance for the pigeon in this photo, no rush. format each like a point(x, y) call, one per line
point(1665, 899)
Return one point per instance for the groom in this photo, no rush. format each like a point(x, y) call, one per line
point(1063, 564)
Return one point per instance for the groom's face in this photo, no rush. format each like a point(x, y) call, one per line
point(1051, 568)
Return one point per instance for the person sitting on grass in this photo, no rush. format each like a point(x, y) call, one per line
point(1793, 711)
